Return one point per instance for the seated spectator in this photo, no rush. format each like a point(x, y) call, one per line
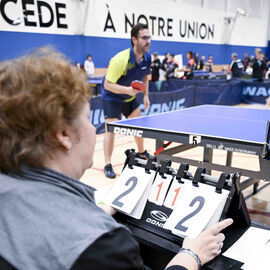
point(209, 64)
point(236, 67)
point(249, 69)
point(155, 66)
point(48, 219)
point(89, 66)
point(171, 66)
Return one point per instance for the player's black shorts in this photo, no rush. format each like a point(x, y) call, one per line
point(114, 109)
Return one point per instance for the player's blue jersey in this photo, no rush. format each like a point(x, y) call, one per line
point(122, 70)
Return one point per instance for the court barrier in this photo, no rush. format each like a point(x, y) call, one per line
point(177, 94)
point(160, 102)
point(223, 92)
point(228, 93)
point(255, 92)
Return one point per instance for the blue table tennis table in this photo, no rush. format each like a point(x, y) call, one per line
point(232, 129)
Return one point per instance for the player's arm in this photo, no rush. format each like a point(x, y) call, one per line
point(119, 89)
point(146, 100)
point(117, 68)
point(146, 82)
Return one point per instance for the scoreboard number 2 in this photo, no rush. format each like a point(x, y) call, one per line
point(130, 191)
point(134, 181)
point(201, 201)
point(195, 209)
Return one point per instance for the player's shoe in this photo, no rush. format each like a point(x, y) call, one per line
point(144, 155)
point(108, 170)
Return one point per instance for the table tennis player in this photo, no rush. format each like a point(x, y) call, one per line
point(118, 96)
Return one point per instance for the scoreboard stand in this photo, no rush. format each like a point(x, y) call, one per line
point(159, 245)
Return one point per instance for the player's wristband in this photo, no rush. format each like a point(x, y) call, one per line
point(194, 255)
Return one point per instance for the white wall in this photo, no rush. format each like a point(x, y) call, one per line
point(86, 30)
point(250, 30)
point(88, 17)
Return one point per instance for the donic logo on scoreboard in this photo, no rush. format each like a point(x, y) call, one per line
point(158, 218)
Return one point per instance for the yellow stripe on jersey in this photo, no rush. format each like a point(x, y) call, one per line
point(118, 66)
point(130, 99)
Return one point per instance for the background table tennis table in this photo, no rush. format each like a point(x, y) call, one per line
point(232, 129)
point(95, 81)
point(208, 75)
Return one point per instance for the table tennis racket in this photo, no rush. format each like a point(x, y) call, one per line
point(138, 85)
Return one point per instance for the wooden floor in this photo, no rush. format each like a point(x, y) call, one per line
point(258, 204)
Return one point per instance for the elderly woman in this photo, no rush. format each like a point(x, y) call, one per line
point(48, 219)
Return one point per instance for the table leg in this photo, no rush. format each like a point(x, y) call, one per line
point(229, 158)
point(159, 143)
point(208, 157)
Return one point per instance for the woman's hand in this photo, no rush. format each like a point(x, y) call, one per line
point(206, 246)
point(108, 209)
point(209, 242)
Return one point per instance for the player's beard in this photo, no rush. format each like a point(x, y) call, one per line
point(146, 48)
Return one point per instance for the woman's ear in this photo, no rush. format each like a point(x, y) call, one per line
point(64, 137)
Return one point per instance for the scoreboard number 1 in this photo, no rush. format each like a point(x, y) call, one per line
point(174, 193)
point(159, 189)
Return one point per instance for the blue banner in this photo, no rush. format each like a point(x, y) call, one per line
point(229, 93)
point(178, 84)
point(168, 101)
point(159, 102)
point(255, 92)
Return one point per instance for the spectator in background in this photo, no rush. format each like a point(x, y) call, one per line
point(201, 64)
point(264, 58)
point(78, 65)
point(89, 66)
point(155, 66)
point(236, 67)
point(171, 66)
point(209, 64)
point(164, 61)
point(259, 66)
point(245, 61)
point(266, 61)
point(251, 60)
point(188, 70)
point(197, 60)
